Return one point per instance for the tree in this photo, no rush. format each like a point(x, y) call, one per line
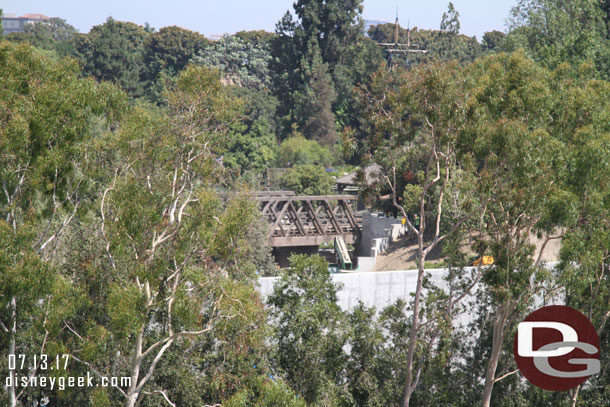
point(167, 52)
point(241, 63)
point(472, 133)
point(297, 150)
point(583, 269)
point(416, 118)
point(439, 44)
point(55, 29)
point(528, 198)
point(113, 52)
point(492, 40)
point(332, 31)
point(310, 337)
point(44, 134)
point(167, 253)
point(253, 146)
point(450, 21)
point(258, 37)
point(54, 34)
point(319, 120)
point(367, 343)
point(307, 180)
point(554, 32)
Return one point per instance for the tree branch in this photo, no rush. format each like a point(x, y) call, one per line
point(97, 373)
point(163, 393)
point(497, 379)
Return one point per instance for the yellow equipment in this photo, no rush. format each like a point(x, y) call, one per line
point(483, 261)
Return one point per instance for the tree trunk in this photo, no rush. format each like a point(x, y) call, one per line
point(408, 388)
point(575, 395)
point(502, 313)
point(12, 389)
point(132, 394)
point(131, 400)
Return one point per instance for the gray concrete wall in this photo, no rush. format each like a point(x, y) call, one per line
point(374, 228)
point(377, 289)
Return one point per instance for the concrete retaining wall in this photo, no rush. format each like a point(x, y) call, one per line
point(377, 289)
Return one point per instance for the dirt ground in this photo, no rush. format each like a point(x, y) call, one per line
point(401, 254)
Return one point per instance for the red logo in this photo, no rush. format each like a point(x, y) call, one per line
point(556, 348)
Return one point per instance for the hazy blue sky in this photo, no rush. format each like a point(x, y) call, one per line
point(228, 16)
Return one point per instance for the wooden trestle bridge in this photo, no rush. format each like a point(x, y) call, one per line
point(308, 220)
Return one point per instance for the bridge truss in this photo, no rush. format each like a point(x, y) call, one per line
point(309, 220)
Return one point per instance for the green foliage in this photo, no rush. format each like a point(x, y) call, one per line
point(327, 36)
point(252, 147)
point(297, 150)
point(166, 53)
point(364, 373)
point(113, 52)
point(267, 393)
point(307, 180)
point(168, 260)
point(242, 63)
point(260, 37)
point(553, 32)
point(51, 33)
point(310, 329)
point(492, 40)
point(253, 150)
point(315, 103)
point(450, 21)
point(47, 116)
point(443, 45)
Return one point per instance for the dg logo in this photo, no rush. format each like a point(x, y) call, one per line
point(556, 348)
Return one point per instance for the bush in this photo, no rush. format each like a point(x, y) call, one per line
point(307, 180)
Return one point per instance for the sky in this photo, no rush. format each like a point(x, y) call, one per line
point(217, 17)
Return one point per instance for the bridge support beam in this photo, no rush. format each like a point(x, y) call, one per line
point(297, 221)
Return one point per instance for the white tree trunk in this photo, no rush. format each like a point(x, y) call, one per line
point(502, 314)
point(12, 389)
point(132, 393)
point(408, 388)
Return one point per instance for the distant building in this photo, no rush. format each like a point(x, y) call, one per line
point(348, 183)
point(13, 24)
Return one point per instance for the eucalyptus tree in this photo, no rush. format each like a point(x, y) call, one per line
point(584, 270)
point(311, 331)
point(162, 265)
point(45, 134)
point(554, 32)
point(416, 120)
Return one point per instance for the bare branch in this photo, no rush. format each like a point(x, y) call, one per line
point(163, 393)
point(548, 239)
point(73, 331)
point(4, 328)
point(64, 223)
point(116, 172)
point(153, 365)
point(497, 379)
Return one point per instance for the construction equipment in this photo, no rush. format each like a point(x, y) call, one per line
point(484, 261)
